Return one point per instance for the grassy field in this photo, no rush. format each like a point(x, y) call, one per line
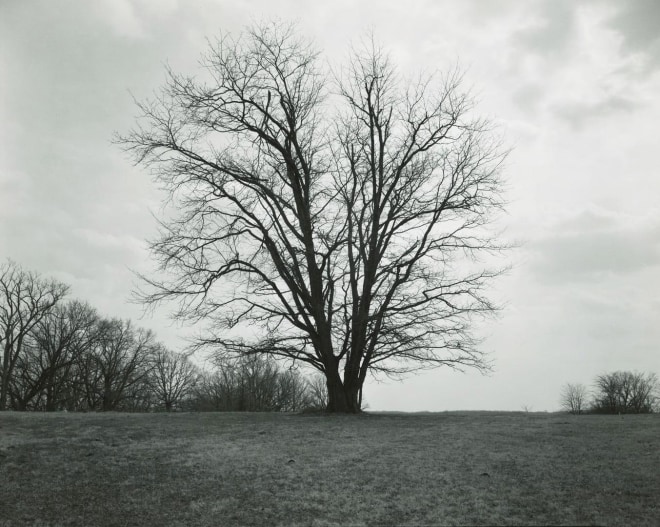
point(376, 469)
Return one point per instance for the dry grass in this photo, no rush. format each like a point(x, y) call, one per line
point(383, 469)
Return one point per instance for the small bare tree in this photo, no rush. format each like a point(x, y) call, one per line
point(574, 398)
point(336, 221)
point(25, 299)
point(318, 392)
point(293, 392)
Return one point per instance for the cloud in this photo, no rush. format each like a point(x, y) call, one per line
point(638, 23)
point(595, 246)
point(552, 29)
point(121, 16)
point(107, 242)
point(541, 45)
point(573, 63)
point(580, 112)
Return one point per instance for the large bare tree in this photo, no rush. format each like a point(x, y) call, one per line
point(116, 369)
point(328, 219)
point(25, 299)
point(626, 392)
point(44, 372)
point(173, 377)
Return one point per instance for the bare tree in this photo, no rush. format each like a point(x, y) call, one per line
point(318, 392)
point(174, 378)
point(253, 384)
point(293, 392)
point(626, 392)
point(574, 398)
point(257, 384)
point(116, 370)
point(212, 393)
point(338, 226)
point(25, 299)
point(44, 371)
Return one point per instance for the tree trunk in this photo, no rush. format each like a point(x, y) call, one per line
point(5, 374)
point(20, 405)
point(50, 397)
point(108, 400)
point(343, 398)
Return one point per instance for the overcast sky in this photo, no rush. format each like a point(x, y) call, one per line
point(574, 85)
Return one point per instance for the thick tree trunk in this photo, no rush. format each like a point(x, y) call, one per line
point(107, 402)
point(343, 398)
point(50, 398)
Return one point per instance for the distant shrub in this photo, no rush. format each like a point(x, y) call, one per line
point(574, 398)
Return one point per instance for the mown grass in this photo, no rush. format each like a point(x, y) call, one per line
point(379, 469)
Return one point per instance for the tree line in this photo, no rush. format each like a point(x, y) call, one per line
point(620, 392)
point(61, 354)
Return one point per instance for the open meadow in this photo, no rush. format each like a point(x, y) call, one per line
point(210, 469)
